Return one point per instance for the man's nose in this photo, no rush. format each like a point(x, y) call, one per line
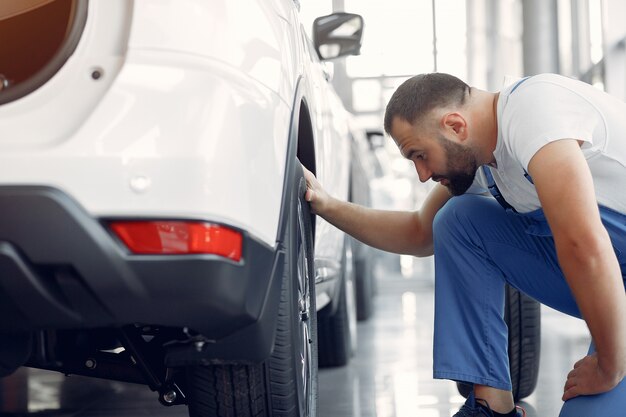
point(422, 171)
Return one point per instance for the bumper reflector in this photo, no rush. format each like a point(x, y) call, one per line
point(178, 237)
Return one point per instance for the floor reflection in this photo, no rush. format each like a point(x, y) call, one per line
point(390, 376)
point(31, 392)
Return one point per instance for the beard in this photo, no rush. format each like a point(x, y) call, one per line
point(461, 166)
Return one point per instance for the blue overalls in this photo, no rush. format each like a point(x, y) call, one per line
point(478, 248)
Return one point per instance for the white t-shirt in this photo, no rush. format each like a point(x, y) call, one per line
point(546, 108)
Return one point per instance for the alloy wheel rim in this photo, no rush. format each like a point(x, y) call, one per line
point(304, 308)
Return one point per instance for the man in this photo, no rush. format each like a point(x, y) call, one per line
point(556, 150)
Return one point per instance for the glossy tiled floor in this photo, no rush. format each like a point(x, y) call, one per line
point(390, 376)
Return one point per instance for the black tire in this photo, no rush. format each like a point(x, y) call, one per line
point(15, 349)
point(285, 385)
point(522, 315)
point(364, 283)
point(337, 331)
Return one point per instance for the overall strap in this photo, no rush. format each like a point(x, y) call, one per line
point(495, 191)
point(517, 84)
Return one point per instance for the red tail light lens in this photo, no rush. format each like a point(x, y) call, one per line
point(177, 237)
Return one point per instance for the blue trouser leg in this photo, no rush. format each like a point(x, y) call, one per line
point(609, 404)
point(478, 248)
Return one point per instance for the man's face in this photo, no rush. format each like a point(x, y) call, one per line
point(452, 164)
point(461, 166)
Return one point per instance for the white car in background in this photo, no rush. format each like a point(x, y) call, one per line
point(152, 222)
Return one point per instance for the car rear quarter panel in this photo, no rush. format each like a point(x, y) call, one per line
point(254, 37)
point(194, 125)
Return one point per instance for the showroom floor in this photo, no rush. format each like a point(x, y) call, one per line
point(390, 376)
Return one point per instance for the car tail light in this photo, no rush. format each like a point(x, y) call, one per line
point(179, 237)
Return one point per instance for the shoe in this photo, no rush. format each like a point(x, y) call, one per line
point(471, 408)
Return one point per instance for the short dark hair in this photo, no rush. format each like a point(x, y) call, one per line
point(422, 93)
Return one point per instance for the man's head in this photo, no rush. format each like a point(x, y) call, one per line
point(419, 95)
point(427, 118)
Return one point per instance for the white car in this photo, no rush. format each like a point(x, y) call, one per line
point(152, 221)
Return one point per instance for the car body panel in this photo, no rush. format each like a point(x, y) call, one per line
point(180, 125)
point(170, 139)
point(221, 30)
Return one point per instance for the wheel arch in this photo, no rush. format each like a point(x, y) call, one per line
point(301, 147)
point(306, 145)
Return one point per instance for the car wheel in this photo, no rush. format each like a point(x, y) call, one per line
point(522, 315)
point(286, 383)
point(337, 331)
point(364, 283)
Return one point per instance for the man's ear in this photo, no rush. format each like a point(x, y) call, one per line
point(456, 124)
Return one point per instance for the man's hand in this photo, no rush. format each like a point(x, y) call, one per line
point(588, 378)
point(315, 194)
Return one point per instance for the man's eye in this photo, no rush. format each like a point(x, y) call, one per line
point(415, 156)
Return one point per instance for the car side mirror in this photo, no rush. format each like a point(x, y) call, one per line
point(337, 34)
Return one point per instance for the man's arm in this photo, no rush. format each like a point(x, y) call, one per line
point(565, 188)
point(393, 231)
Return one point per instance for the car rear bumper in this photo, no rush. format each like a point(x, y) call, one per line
point(61, 268)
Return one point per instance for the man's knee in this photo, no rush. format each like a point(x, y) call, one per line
point(460, 211)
